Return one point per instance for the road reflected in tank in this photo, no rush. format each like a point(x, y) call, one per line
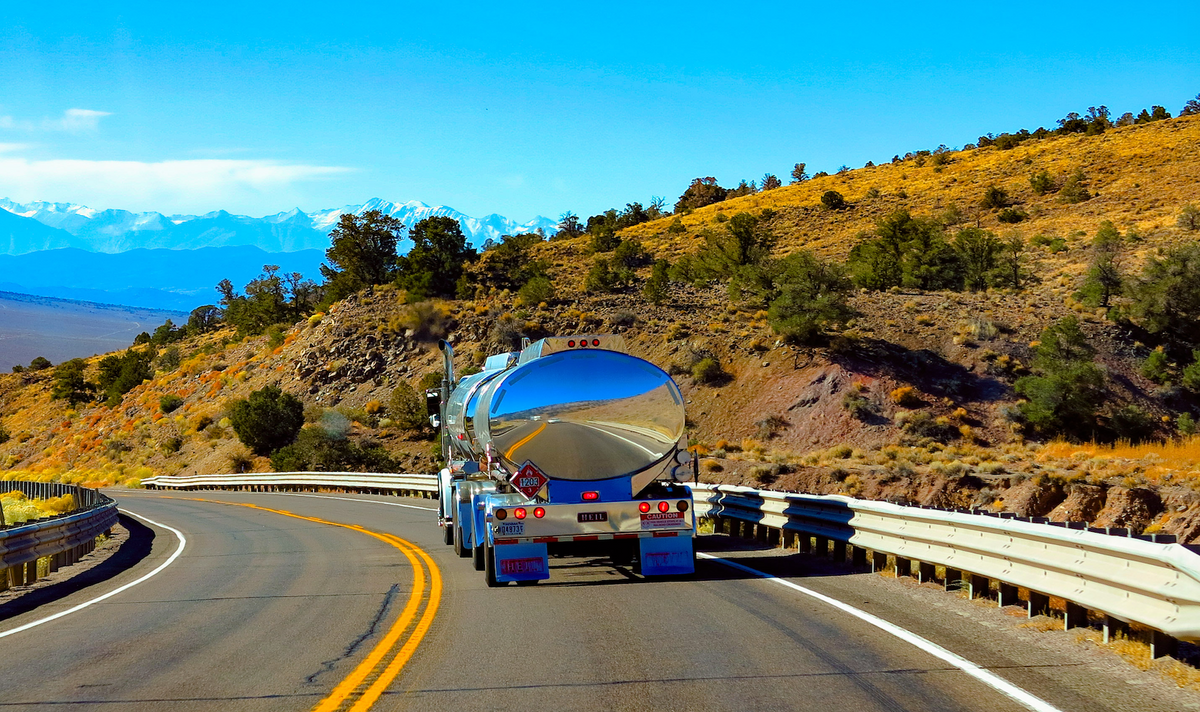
point(586, 415)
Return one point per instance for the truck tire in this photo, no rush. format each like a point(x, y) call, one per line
point(489, 567)
point(448, 534)
point(460, 545)
point(479, 554)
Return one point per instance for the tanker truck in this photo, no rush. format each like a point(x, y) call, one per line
point(570, 446)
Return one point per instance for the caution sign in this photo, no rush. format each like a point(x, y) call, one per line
point(657, 520)
point(529, 479)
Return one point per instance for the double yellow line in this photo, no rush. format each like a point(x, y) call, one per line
point(367, 682)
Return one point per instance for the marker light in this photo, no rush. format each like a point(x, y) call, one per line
point(591, 496)
point(595, 342)
point(501, 514)
point(583, 343)
point(519, 513)
point(644, 507)
point(538, 512)
point(682, 506)
point(663, 507)
point(571, 343)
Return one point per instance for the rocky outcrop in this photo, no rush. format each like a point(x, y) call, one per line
point(1130, 508)
point(1082, 504)
point(1033, 498)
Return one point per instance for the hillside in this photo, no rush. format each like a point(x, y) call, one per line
point(912, 400)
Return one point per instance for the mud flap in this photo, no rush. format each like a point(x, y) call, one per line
point(666, 556)
point(521, 562)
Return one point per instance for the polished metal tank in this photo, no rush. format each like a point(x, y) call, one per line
point(581, 412)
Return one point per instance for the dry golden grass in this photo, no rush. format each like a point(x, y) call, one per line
point(1154, 462)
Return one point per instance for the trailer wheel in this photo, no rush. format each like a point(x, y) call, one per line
point(460, 544)
point(489, 567)
point(448, 534)
point(478, 555)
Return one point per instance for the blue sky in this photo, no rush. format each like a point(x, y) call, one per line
point(538, 108)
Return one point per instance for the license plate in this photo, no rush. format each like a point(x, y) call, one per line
point(593, 517)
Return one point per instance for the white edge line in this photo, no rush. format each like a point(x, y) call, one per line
point(110, 594)
point(985, 676)
point(352, 499)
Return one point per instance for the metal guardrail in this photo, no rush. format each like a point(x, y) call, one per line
point(1128, 580)
point(64, 538)
point(375, 483)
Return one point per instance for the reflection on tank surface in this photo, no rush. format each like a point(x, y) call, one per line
point(623, 417)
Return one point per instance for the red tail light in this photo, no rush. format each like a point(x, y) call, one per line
point(583, 343)
point(538, 513)
point(644, 507)
point(663, 507)
point(595, 342)
point(591, 496)
point(519, 513)
point(682, 506)
point(501, 514)
point(571, 343)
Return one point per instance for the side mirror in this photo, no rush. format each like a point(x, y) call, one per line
point(433, 401)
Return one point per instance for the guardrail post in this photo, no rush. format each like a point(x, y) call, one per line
point(953, 580)
point(878, 561)
point(903, 567)
point(1007, 595)
point(789, 539)
point(978, 586)
point(822, 546)
point(1039, 604)
point(839, 551)
point(762, 533)
point(31, 572)
point(773, 536)
point(1162, 645)
point(1114, 627)
point(806, 544)
point(1075, 616)
point(926, 572)
point(858, 557)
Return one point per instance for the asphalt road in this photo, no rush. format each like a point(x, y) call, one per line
point(264, 611)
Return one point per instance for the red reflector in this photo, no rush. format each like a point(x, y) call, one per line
point(520, 513)
point(538, 512)
point(571, 343)
point(682, 506)
point(501, 514)
point(461, 436)
point(595, 342)
point(644, 507)
point(591, 496)
point(663, 506)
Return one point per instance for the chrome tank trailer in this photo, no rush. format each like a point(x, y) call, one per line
point(578, 408)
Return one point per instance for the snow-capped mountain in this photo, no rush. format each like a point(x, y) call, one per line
point(112, 231)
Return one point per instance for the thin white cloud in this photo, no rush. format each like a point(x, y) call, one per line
point(72, 121)
point(166, 186)
point(14, 147)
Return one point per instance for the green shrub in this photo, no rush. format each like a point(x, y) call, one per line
point(69, 383)
point(406, 408)
point(169, 359)
point(858, 406)
point(1133, 424)
point(1185, 424)
point(676, 226)
point(1063, 398)
point(1190, 378)
point(994, 197)
point(169, 402)
point(1156, 367)
point(1189, 218)
point(656, 288)
point(171, 445)
point(274, 336)
point(1012, 215)
point(537, 290)
point(1041, 182)
point(316, 450)
point(707, 370)
point(1104, 279)
point(1166, 299)
point(4, 436)
point(833, 200)
point(1074, 189)
point(268, 420)
point(812, 295)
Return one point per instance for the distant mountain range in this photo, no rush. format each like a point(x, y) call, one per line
point(32, 227)
point(157, 279)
